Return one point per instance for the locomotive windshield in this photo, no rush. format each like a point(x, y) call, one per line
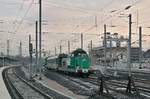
point(79, 52)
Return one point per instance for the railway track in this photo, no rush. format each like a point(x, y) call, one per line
point(80, 82)
point(142, 85)
point(136, 74)
point(13, 91)
point(19, 88)
point(113, 85)
point(90, 84)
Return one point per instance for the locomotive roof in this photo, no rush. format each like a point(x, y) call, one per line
point(52, 57)
point(58, 56)
point(62, 55)
point(78, 51)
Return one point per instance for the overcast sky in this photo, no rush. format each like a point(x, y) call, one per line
point(62, 18)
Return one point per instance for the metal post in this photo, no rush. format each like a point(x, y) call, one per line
point(95, 21)
point(40, 37)
point(60, 49)
point(7, 48)
point(81, 41)
point(105, 47)
point(20, 49)
point(68, 47)
point(90, 52)
point(55, 51)
point(140, 46)
point(102, 77)
point(91, 45)
point(36, 49)
point(111, 50)
point(20, 53)
point(30, 52)
point(128, 90)
point(101, 88)
point(129, 45)
point(3, 61)
point(31, 68)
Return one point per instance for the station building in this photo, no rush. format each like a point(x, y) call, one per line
point(116, 53)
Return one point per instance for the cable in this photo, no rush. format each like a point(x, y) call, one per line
point(121, 10)
point(84, 9)
point(19, 11)
point(22, 19)
point(70, 7)
point(28, 9)
point(8, 3)
point(114, 14)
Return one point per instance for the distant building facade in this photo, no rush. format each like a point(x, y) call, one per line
point(115, 53)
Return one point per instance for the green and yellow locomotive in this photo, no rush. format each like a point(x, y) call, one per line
point(77, 62)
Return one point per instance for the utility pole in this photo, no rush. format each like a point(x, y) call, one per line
point(68, 47)
point(40, 37)
point(20, 52)
point(55, 51)
point(91, 45)
point(95, 21)
point(130, 79)
point(30, 52)
point(8, 47)
point(111, 50)
point(102, 77)
point(81, 41)
point(60, 49)
point(140, 46)
point(20, 49)
point(129, 56)
point(3, 61)
point(129, 44)
point(105, 46)
point(36, 48)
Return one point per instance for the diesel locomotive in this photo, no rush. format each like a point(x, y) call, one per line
point(78, 62)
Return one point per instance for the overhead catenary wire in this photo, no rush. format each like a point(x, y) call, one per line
point(17, 27)
point(17, 15)
point(115, 14)
point(107, 5)
point(22, 19)
point(85, 30)
point(25, 15)
point(9, 3)
point(77, 8)
point(103, 20)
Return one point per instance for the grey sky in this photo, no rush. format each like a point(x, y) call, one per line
point(67, 16)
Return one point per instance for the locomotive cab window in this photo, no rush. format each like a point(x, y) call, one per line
point(84, 55)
